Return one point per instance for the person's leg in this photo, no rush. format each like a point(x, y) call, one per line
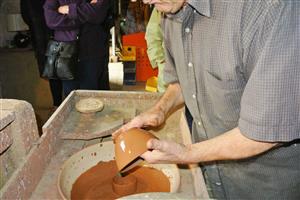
point(69, 86)
point(104, 77)
point(56, 91)
point(93, 74)
point(89, 72)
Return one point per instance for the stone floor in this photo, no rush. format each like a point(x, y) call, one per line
point(19, 79)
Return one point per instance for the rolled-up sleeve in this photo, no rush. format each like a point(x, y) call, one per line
point(270, 106)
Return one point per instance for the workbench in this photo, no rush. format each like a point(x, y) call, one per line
point(36, 178)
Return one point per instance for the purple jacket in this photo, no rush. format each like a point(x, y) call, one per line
point(66, 27)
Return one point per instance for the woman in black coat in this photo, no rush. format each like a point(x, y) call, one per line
point(33, 14)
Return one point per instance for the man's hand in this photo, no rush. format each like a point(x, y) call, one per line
point(93, 1)
point(156, 115)
point(63, 9)
point(151, 118)
point(165, 152)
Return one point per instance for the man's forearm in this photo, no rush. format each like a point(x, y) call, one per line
point(171, 99)
point(232, 145)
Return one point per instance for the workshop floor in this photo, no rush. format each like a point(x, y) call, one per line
point(19, 80)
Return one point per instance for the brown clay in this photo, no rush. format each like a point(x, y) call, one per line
point(124, 185)
point(97, 182)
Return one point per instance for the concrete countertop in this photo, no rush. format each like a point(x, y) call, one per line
point(6, 117)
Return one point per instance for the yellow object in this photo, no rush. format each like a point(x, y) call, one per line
point(128, 53)
point(151, 84)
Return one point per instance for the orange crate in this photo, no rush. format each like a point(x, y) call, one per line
point(144, 69)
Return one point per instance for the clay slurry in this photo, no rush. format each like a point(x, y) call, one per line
point(97, 182)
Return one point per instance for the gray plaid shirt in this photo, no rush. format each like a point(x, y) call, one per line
point(238, 64)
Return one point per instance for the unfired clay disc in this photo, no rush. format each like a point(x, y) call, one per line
point(89, 105)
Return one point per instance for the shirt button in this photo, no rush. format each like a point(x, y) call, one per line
point(194, 96)
point(199, 123)
point(190, 64)
point(187, 30)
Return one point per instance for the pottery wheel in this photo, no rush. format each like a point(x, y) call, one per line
point(100, 182)
point(96, 166)
point(89, 105)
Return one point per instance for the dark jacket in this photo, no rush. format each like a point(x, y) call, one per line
point(92, 19)
point(33, 15)
point(94, 32)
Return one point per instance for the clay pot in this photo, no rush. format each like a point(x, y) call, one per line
point(124, 185)
point(129, 146)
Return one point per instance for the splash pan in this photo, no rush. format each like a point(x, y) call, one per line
point(90, 156)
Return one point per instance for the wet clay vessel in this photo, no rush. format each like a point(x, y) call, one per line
point(124, 185)
point(129, 145)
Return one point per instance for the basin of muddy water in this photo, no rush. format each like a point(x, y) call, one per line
point(92, 174)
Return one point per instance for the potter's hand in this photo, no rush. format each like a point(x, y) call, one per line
point(63, 9)
point(144, 1)
point(166, 152)
point(153, 117)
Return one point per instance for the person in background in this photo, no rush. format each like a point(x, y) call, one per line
point(235, 64)
point(64, 30)
point(33, 15)
point(155, 46)
point(137, 17)
point(96, 19)
point(87, 20)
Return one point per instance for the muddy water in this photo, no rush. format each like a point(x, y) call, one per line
point(100, 182)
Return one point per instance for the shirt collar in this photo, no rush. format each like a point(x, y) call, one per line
point(201, 6)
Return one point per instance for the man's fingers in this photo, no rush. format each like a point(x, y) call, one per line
point(123, 128)
point(116, 133)
point(152, 156)
point(120, 130)
point(154, 144)
point(146, 156)
point(129, 125)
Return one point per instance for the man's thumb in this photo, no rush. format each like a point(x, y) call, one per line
point(153, 144)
